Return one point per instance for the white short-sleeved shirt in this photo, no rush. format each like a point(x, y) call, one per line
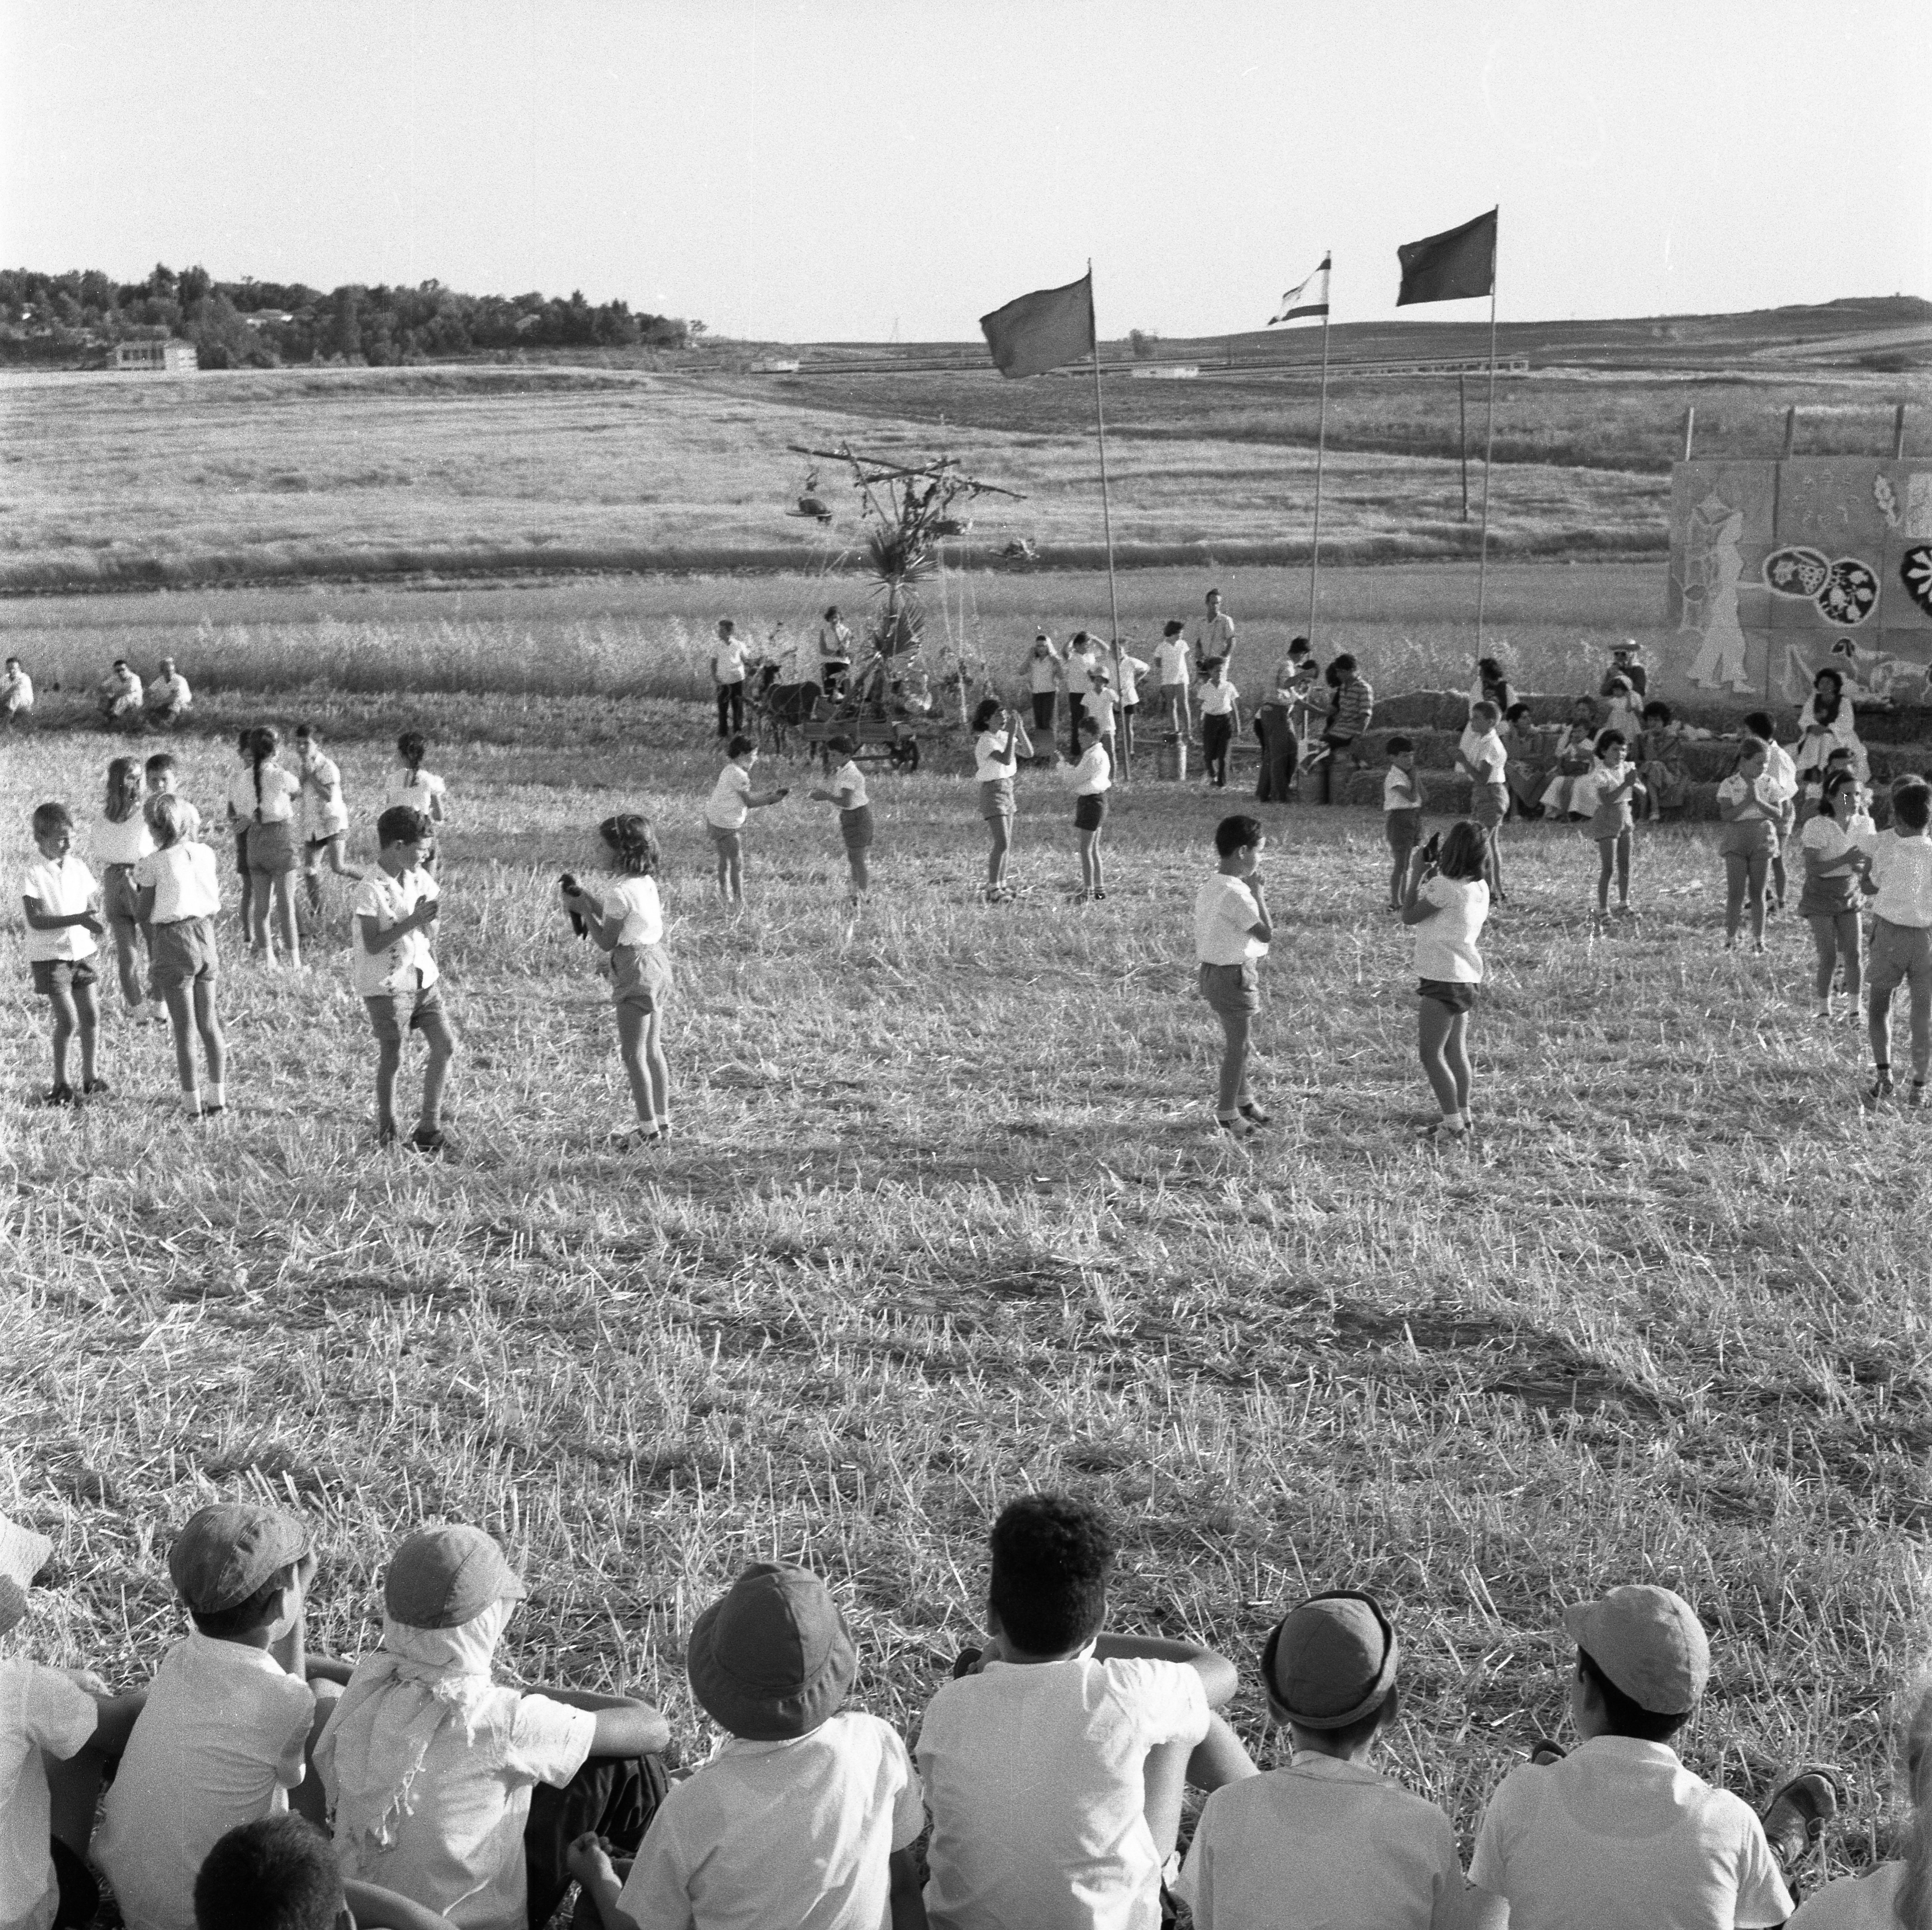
point(1445, 944)
point(1354, 1850)
point(791, 1832)
point(41, 1709)
point(1212, 636)
point(324, 814)
point(123, 842)
point(1782, 770)
point(1080, 667)
point(18, 690)
point(394, 969)
point(1484, 750)
point(185, 881)
point(279, 790)
point(1901, 867)
point(1621, 1836)
point(63, 888)
point(460, 1850)
point(418, 795)
point(172, 689)
point(847, 784)
point(1824, 840)
point(1226, 913)
point(1869, 1902)
point(728, 661)
point(637, 902)
point(1034, 1776)
point(994, 756)
point(1131, 669)
point(1101, 702)
point(1043, 673)
point(1399, 790)
point(220, 1743)
point(1218, 697)
point(1170, 654)
point(1093, 774)
point(1737, 787)
point(726, 807)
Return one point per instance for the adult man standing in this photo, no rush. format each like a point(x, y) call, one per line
point(168, 695)
point(17, 694)
point(1280, 749)
point(1624, 664)
point(835, 652)
point(728, 674)
point(1211, 638)
point(118, 695)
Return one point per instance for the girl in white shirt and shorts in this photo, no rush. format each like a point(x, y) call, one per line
point(262, 798)
point(121, 842)
point(1447, 900)
point(1089, 781)
point(997, 735)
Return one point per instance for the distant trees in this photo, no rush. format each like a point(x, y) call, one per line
point(78, 317)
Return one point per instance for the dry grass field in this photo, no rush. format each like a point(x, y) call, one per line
point(943, 1218)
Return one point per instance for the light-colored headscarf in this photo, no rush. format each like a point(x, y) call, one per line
point(398, 1700)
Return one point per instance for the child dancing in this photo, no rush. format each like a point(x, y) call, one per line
point(1447, 901)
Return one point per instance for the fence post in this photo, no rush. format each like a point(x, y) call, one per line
point(1690, 429)
point(1790, 429)
point(1898, 432)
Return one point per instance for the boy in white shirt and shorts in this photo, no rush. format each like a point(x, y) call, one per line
point(64, 921)
point(1231, 932)
point(726, 811)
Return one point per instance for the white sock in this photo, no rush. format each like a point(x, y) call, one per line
point(191, 1104)
point(217, 1096)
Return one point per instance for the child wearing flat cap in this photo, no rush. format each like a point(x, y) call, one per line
point(59, 1730)
point(809, 1811)
point(226, 1733)
point(432, 1769)
point(1327, 1841)
point(1619, 1834)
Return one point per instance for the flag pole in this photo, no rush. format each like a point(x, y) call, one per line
point(1320, 444)
point(1489, 436)
point(1106, 512)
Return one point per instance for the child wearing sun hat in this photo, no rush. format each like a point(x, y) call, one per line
point(1619, 1834)
point(808, 1812)
point(1328, 1840)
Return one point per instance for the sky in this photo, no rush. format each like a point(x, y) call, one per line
point(842, 169)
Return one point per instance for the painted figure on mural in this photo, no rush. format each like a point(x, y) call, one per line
point(1714, 570)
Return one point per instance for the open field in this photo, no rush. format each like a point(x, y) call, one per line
point(943, 1218)
point(616, 636)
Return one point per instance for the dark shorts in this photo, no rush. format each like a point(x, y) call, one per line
point(386, 1012)
point(1403, 828)
point(61, 975)
point(640, 976)
point(1089, 812)
point(181, 954)
point(322, 843)
point(855, 826)
point(1748, 837)
point(996, 798)
point(1230, 988)
point(271, 847)
point(729, 843)
point(1489, 805)
point(117, 891)
point(1457, 994)
point(1899, 952)
point(80, 1895)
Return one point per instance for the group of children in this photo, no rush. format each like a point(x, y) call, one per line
point(254, 1786)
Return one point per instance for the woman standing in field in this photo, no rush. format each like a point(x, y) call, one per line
point(997, 738)
point(121, 842)
point(1750, 811)
point(1045, 677)
point(262, 798)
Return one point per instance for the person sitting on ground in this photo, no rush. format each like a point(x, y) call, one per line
point(118, 695)
point(169, 695)
point(17, 694)
point(231, 1714)
point(1659, 760)
point(808, 1812)
point(1326, 1839)
point(430, 1766)
point(1054, 1764)
point(1618, 1834)
point(280, 1873)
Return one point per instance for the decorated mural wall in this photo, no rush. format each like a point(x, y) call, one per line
point(1780, 566)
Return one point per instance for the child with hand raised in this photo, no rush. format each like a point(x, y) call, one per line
point(846, 788)
point(63, 925)
point(1610, 786)
point(732, 800)
point(1232, 929)
point(1446, 899)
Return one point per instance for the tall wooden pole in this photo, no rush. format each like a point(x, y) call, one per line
point(1321, 444)
point(1106, 511)
point(1462, 435)
point(1898, 432)
point(1489, 439)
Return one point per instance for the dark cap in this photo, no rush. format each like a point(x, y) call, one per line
point(771, 1660)
point(228, 1552)
point(1331, 1661)
point(442, 1577)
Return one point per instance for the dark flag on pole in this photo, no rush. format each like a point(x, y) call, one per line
point(1036, 332)
point(1451, 266)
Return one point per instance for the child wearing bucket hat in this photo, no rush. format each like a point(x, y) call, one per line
point(433, 1768)
point(230, 1715)
point(808, 1812)
point(58, 1729)
point(1326, 1840)
point(1053, 1774)
point(1619, 1834)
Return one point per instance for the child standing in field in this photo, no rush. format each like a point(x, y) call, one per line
point(1447, 901)
point(728, 676)
point(1749, 811)
point(1780, 786)
point(1352, 1848)
point(998, 737)
point(261, 799)
point(239, 821)
point(64, 922)
point(177, 894)
point(1220, 718)
point(726, 811)
point(1170, 657)
point(325, 816)
point(393, 968)
point(1610, 786)
point(846, 788)
point(1486, 763)
point(1103, 704)
point(1401, 814)
point(420, 788)
point(626, 920)
point(1045, 678)
point(1232, 931)
point(121, 842)
point(1089, 781)
point(1899, 876)
point(1829, 903)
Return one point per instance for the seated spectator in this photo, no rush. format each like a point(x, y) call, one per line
point(1054, 1770)
point(431, 1767)
point(280, 1874)
point(807, 1814)
point(169, 695)
point(1522, 746)
point(17, 694)
point(1327, 1841)
point(1618, 1834)
point(118, 695)
point(1659, 760)
point(1574, 751)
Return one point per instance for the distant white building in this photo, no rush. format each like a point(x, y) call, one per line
point(264, 318)
point(776, 365)
point(153, 357)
